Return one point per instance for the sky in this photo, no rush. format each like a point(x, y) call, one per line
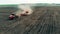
point(28, 1)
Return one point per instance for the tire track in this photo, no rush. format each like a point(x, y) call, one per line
point(44, 21)
point(31, 28)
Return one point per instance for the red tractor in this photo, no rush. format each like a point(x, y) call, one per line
point(12, 16)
